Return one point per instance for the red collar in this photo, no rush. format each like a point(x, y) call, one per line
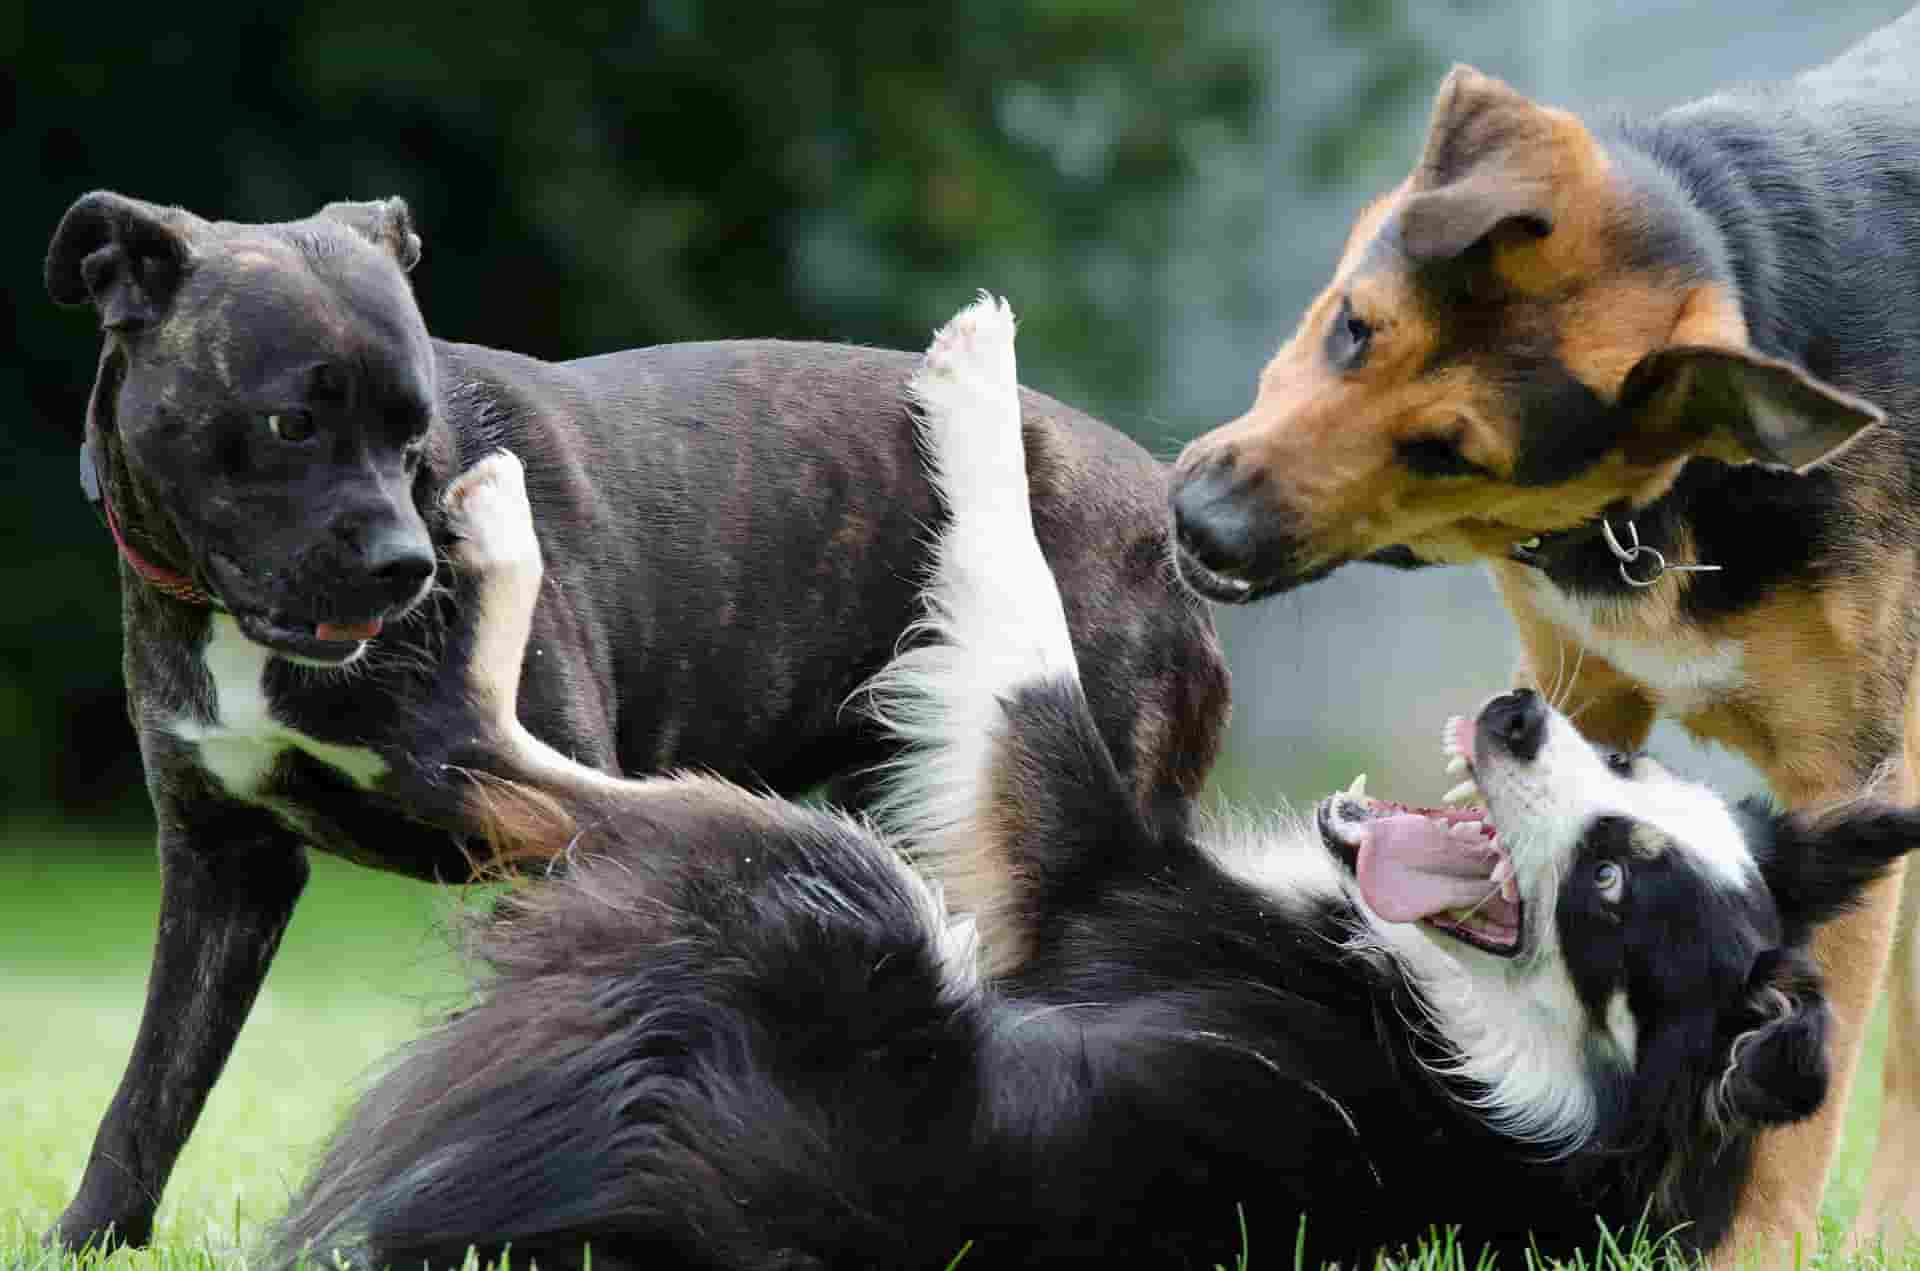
point(165, 581)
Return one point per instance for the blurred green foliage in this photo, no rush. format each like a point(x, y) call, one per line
point(590, 176)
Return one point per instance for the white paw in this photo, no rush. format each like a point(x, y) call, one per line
point(968, 391)
point(491, 521)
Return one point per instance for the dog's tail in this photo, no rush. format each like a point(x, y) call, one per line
point(662, 1062)
point(1005, 783)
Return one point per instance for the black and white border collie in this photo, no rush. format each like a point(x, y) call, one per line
point(737, 1032)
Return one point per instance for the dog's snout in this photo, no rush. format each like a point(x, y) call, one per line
point(1213, 518)
point(400, 563)
point(1516, 722)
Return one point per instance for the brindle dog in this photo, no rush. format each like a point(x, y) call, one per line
point(1629, 366)
point(732, 533)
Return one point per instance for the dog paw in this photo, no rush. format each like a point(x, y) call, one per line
point(968, 391)
point(490, 519)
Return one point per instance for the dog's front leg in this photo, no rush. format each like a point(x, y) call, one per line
point(1891, 1207)
point(230, 875)
point(1779, 1207)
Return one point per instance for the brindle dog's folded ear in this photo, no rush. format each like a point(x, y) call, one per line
point(1777, 1068)
point(1736, 405)
point(385, 223)
point(125, 256)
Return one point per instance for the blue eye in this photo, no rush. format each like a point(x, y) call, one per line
point(1610, 880)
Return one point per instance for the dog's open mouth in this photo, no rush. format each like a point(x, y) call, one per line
point(330, 643)
point(1441, 867)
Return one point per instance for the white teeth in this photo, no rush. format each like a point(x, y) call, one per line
point(1358, 790)
point(1466, 831)
point(1503, 878)
point(1457, 765)
point(1450, 735)
point(1461, 793)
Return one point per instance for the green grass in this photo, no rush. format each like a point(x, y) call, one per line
point(364, 964)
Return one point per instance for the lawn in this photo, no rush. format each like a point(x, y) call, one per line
point(364, 963)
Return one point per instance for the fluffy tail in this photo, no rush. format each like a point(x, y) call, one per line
point(675, 1057)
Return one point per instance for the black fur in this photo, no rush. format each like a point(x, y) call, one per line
point(732, 531)
point(729, 1038)
point(1801, 195)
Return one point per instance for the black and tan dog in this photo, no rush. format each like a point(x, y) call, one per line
point(1629, 365)
point(732, 533)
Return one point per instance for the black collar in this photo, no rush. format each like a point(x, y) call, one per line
point(1621, 551)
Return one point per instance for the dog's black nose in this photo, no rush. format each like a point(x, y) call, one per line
point(1213, 522)
point(400, 563)
point(1516, 722)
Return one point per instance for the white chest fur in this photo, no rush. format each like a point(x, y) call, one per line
point(1684, 672)
point(242, 740)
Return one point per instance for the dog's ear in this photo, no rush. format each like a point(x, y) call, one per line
point(1777, 1065)
point(1484, 169)
point(125, 256)
point(1736, 405)
point(1817, 863)
point(1441, 225)
point(385, 223)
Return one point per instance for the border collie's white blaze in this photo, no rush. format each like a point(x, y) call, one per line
point(994, 622)
point(1497, 913)
point(1468, 898)
point(735, 1032)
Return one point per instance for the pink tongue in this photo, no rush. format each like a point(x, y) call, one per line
point(1411, 869)
point(348, 630)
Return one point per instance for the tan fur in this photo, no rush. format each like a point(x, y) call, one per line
point(1789, 683)
point(1333, 433)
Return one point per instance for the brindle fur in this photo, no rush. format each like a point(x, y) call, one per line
point(732, 533)
point(1679, 320)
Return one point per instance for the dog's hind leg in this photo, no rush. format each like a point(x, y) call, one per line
point(1005, 781)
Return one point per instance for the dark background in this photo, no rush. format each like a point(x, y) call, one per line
point(1158, 187)
point(589, 177)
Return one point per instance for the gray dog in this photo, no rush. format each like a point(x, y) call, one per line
point(731, 534)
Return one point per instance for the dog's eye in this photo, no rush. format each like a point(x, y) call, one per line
point(1349, 338)
point(1620, 763)
point(1434, 457)
point(1610, 880)
point(291, 425)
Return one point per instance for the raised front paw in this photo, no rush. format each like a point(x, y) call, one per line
point(490, 519)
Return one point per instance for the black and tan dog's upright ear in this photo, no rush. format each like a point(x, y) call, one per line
point(1736, 405)
point(126, 256)
point(385, 223)
point(1477, 174)
point(1777, 1071)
